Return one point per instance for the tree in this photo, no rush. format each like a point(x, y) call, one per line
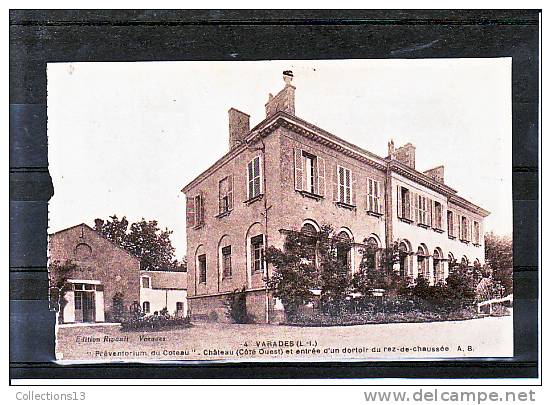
point(378, 275)
point(144, 239)
point(59, 274)
point(294, 276)
point(335, 280)
point(499, 256)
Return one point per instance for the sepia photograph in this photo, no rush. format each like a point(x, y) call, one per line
point(281, 210)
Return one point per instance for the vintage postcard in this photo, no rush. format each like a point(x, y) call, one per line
point(323, 210)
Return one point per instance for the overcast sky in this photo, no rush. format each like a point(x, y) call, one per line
point(125, 138)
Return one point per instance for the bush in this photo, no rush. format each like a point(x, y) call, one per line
point(386, 310)
point(236, 304)
point(137, 322)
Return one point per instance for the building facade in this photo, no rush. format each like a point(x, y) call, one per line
point(287, 174)
point(102, 270)
point(163, 289)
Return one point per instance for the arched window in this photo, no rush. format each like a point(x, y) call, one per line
point(146, 307)
point(344, 255)
point(438, 265)
point(309, 233)
point(225, 257)
point(404, 251)
point(476, 263)
point(464, 261)
point(423, 262)
point(371, 250)
point(255, 249)
point(201, 265)
point(452, 263)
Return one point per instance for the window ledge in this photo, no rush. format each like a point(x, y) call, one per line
point(465, 241)
point(224, 278)
point(406, 220)
point(451, 237)
point(423, 226)
point(438, 230)
point(199, 226)
point(308, 194)
point(224, 214)
point(253, 199)
point(477, 244)
point(374, 214)
point(346, 206)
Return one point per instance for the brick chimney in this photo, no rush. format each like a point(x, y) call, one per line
point(239, 125)
point(285, 99)
point(436, 174)
point(405, 154)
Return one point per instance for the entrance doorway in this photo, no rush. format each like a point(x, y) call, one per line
point(85, 306)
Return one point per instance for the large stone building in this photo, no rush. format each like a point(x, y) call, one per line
point(288, 174)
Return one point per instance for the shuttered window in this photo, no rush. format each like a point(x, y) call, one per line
point(404, 203)
point(309, 172)
point(254, 177)
point(374, 196)
point(344, 176)
point(225, 195)
point(195, 211)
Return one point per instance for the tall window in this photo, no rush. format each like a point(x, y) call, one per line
point(146, 282)
point(254, 177)
point(374, 196)
point(422, 263)
point(225, 195)
point(199, 210)
point(403, 256)
point(438, 266)
point(146, 307)
point(437, 215)
point(464, 228)
point(202, 263)
point(257, 253)
point(371, 253)
point(404, 205)
point(310, 171)
point(345, 185)
point(344, 251)
point(309, 233)
point(226, 261)
point(179, 306)
point(476, 230)
point(195, 211)
point(422, 210)
point(450, 224)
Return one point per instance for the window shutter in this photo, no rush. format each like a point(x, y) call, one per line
point(399, 201)
point(416, 206)
point(190, 212)
point(369, 195)
point(469, 230)
point(431, 212)
point(201, 209)
point(230, 192)
point(378, 195)
point(321, 176)
point(353, 188)
point(299, 170)
point(456, 225)
point(250, 180)
point(336, 183)
point(261, 174)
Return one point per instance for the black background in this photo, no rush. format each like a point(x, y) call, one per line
point(41, 36)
